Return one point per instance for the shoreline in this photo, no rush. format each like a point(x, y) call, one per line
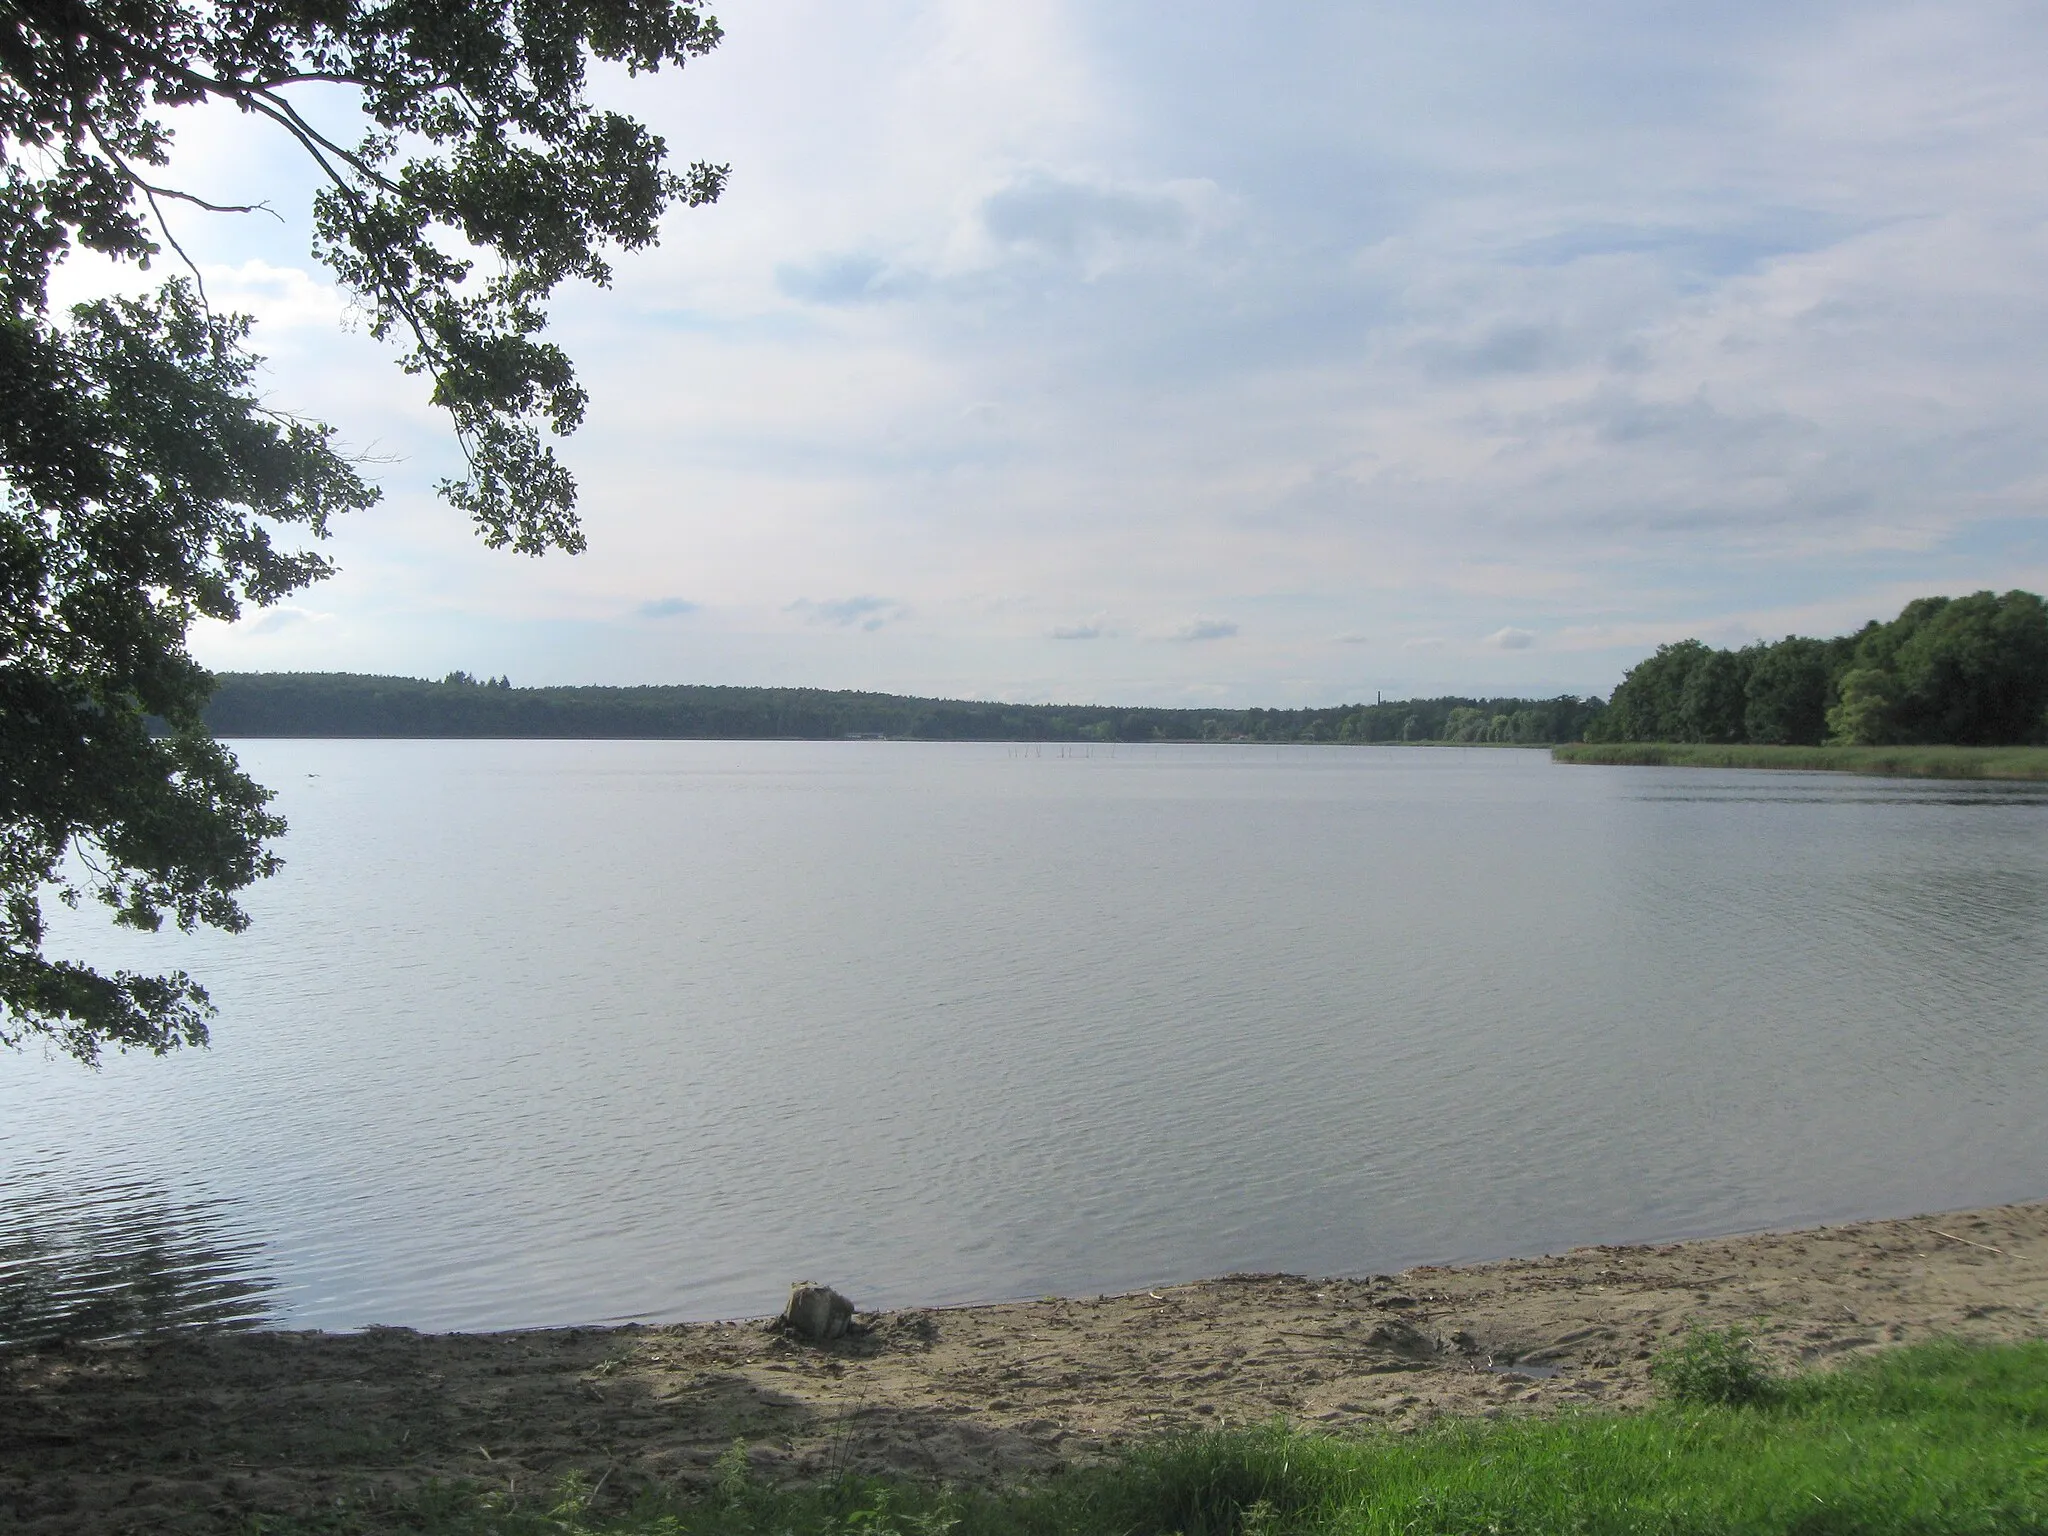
point(1995, 764)
point(197, 1432)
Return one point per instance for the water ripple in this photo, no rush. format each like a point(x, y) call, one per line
point(535, 1033)
point(113, 1259)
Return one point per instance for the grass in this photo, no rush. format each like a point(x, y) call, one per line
point(1939, 1440)
point(1902, 762)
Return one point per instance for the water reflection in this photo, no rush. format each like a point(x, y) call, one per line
point(114, 1259)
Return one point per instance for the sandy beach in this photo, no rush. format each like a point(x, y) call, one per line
point(196, 1432)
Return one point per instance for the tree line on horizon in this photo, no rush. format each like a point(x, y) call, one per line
point(1966, 671)
point(1963, 671)
point(460, 705)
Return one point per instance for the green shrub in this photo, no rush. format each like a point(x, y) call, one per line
point(1720, 1366)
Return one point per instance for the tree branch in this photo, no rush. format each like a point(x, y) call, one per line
point(153, 192)
point(163, 225)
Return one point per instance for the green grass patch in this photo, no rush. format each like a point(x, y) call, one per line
point(1939, 1440)
point(1901, 762)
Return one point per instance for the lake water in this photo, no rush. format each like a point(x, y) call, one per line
point(556, 1032)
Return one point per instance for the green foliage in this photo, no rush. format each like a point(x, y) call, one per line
point(1519, 727)
point(1713, 703)
point(143, 482)
point(1942, 1440)
point(1969, 671)
point(1862, 716)
point(344, 704)
point(732, 1475)
point(1714, 1365)
point(1787, 694)
point(1646, 707)
point(504, 156)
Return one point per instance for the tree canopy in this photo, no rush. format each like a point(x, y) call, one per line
point(1962, 671)
point(144, 482)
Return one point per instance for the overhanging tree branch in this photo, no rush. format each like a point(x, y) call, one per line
point(141, 477)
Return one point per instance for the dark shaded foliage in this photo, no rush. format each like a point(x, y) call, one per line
point(348, 704)
point(141, 480)
point(1969, 670)
point(1788, 693)
point(1646, 705)
point(1713, 704)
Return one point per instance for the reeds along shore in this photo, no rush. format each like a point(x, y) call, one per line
point(2011, 763)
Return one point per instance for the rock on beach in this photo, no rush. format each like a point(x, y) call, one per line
point(815, 1312)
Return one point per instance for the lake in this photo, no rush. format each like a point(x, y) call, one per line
point(564, 1032)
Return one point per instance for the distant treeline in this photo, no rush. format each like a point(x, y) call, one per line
point(348, 704)
point(1965, 671)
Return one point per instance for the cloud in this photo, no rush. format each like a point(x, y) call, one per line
point(1637, 322)
point(666, 608)
point(1351, 639)
point(869, 613)
point(1044, 210)
point(1515, 347)
point(1092, 223)
point(1206, 629)
point(277, 297)
point(1077, 632)
point(1510, 639)
point(851, 278)
point(277, 620)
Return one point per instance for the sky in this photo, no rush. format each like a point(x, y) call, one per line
point(1106, 352)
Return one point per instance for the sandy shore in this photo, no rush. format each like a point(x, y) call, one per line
point(194, 1433)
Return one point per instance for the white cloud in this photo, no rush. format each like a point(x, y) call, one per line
point(1677, 321)
point(667, 608)
point(1066, 216)
point(273, 621)
point(1095, 225)
point(869, 613)
point(850, 278)
point(1206, 629)
point(276, 297)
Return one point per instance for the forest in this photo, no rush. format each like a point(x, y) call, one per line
point(1965, 671)
point(247, 704)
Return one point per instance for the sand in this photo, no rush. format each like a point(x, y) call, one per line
point(194, 1433)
